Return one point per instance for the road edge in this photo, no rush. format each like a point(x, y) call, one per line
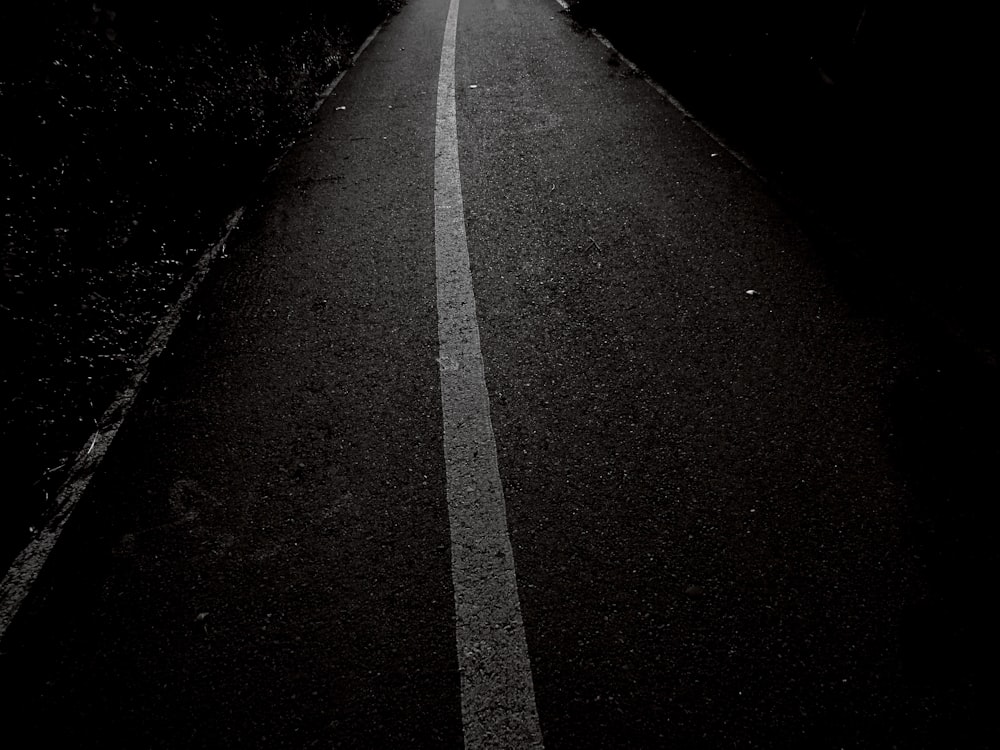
point(24, 571)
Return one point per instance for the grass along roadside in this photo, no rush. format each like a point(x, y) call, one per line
point(134, 134)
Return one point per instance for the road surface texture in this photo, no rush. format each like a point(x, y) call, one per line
point(708, 497)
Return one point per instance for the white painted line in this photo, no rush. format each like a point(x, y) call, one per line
point(498, 695)
point(26, 567)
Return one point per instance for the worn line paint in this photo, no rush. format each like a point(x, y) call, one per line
point(498, 696)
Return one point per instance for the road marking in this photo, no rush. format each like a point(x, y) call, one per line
point(498, 696)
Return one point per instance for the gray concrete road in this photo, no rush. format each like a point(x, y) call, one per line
point(713, 455)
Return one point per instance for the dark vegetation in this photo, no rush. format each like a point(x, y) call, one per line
point(132, 130)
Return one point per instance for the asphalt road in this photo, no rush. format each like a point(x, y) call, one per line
point(737, 519)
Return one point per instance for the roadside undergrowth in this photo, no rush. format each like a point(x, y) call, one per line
point(134, 131)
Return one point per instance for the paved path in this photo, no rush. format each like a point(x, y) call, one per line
point(689, 519)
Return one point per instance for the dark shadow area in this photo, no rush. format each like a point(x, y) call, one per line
point(869, 117)
point(868, 120)
point(945, 412)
